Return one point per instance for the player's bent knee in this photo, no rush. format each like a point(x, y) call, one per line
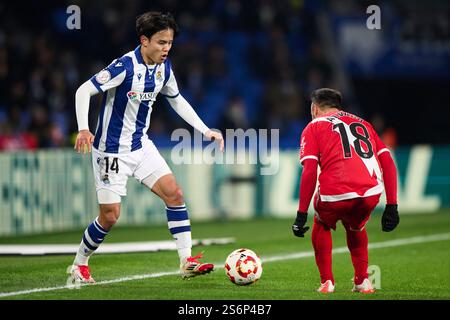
point(179, 194)
point(111, 220)
point(108, 220)
point(175, 197)
point(109, 214)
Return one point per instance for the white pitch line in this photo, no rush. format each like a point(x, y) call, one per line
point(130, 278)
point(300, 255)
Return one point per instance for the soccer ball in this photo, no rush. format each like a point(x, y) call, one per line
point(243, 267)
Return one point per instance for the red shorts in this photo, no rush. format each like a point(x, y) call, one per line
point(353, 212)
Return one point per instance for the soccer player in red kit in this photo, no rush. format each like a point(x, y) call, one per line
point(354, 163)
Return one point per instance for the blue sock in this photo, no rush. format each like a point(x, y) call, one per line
point(180, 228)
point(92, 238)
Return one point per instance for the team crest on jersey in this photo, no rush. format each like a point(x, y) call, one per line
point(141, 96)
point(105, 179)
point(158, 76)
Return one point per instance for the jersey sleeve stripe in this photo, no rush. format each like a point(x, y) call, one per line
point(171, 97)
point(95, 83)
point(308, 157)
point(382, 150)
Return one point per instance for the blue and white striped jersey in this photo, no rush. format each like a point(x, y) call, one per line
point(129, 89)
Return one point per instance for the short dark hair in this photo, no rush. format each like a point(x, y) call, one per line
point(151, 22)
point(326, 97)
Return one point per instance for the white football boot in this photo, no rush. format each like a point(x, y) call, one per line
point(192, 267)
point(364, 287)
point(326, 287)
point(78, 275)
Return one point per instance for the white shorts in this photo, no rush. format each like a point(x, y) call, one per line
point(111, 170)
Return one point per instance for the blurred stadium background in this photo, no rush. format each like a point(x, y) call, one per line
point(241, 64)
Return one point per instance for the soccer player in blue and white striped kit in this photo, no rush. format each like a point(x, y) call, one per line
point(121, 148)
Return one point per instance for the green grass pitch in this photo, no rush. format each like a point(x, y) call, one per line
point(409, 271)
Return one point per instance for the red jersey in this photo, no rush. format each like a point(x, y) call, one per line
point(347, 149)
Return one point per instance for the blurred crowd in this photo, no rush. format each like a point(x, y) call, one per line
point(241, 64)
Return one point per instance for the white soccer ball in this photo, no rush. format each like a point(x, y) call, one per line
point(243, 267)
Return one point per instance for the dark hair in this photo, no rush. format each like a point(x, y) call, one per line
point(149, 23)
point(326, 97)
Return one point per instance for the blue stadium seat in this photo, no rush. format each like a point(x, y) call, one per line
point(212, 107)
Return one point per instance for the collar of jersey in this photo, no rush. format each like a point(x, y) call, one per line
point(329, 113)
point(139, 58)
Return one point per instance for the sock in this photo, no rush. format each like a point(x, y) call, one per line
point(357, 243)
point(92, 238)
point(180, 228)
point(322, 244)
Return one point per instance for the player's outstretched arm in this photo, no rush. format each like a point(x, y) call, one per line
point(216, 136)
point(84, 141)
point(298, 227)
point(85, 138)
point(307, 187)
point(185, 110)
point(390, 218)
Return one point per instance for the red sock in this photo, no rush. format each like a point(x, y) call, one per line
point(322, 243)
point(357, 242)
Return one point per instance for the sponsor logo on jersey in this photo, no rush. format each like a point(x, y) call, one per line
point(142, 96)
